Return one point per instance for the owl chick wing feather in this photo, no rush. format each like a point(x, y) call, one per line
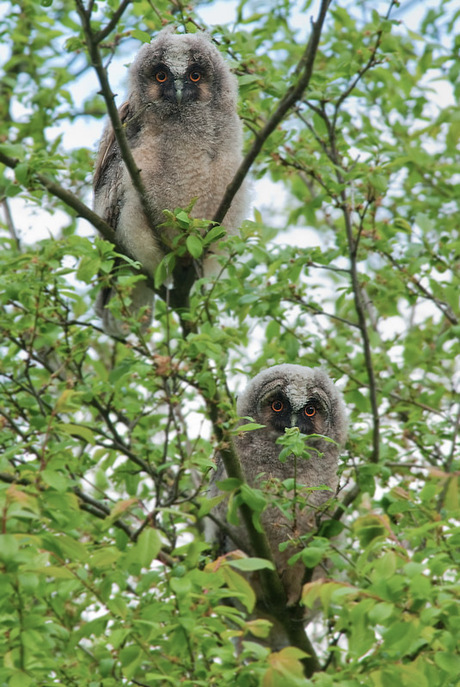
point(109, 196)
point(107, 170)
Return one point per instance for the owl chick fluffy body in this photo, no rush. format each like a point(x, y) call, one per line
point(280, 397)
point(185, 136)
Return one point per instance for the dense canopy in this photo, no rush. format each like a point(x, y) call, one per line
point(348, 260)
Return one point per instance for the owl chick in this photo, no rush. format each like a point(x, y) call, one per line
point(281, 397)
point(185, 135)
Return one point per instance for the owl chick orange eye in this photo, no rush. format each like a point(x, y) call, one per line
point(195, 76)
point(161, 76)
point(310, 411)
point(277, 406)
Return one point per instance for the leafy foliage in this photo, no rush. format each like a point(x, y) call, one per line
point(106, 445)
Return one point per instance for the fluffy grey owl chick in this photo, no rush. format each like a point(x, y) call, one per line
point(186, 138)
point(280, 397)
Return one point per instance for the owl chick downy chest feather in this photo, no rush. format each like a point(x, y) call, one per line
point(185, 160)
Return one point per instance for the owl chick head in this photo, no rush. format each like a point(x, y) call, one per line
point(289, 395)
point(176, 72)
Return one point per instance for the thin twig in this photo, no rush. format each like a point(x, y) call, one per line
point(112, 24)
point(10, 223)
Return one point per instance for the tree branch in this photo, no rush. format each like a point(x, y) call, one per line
point(293, 94)
point(69, 198)
point(112, 24)
point(94, 52)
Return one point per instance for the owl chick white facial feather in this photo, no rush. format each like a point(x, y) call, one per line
point(185, 135)
point(280, 397)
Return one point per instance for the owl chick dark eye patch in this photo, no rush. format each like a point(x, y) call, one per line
point(278, 403)
point(161, 73)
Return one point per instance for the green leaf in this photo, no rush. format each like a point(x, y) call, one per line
point(20, 678)
point(240, 587)
point(12, 149)
point(77, 430)
point(251, 564)
point(55, 479)
point(165, 269)
point(214, 234)
point(56, 572)
point(229, 484)
point(311, 556)
point(194, 246)
point(142, 36)
point(9, 547)
point(21, 172)
point(448, 661)
point(145, 549)
point(71, 548)
point(402, 225)
point(248, 427)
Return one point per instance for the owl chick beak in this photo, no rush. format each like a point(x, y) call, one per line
point(178, 90)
